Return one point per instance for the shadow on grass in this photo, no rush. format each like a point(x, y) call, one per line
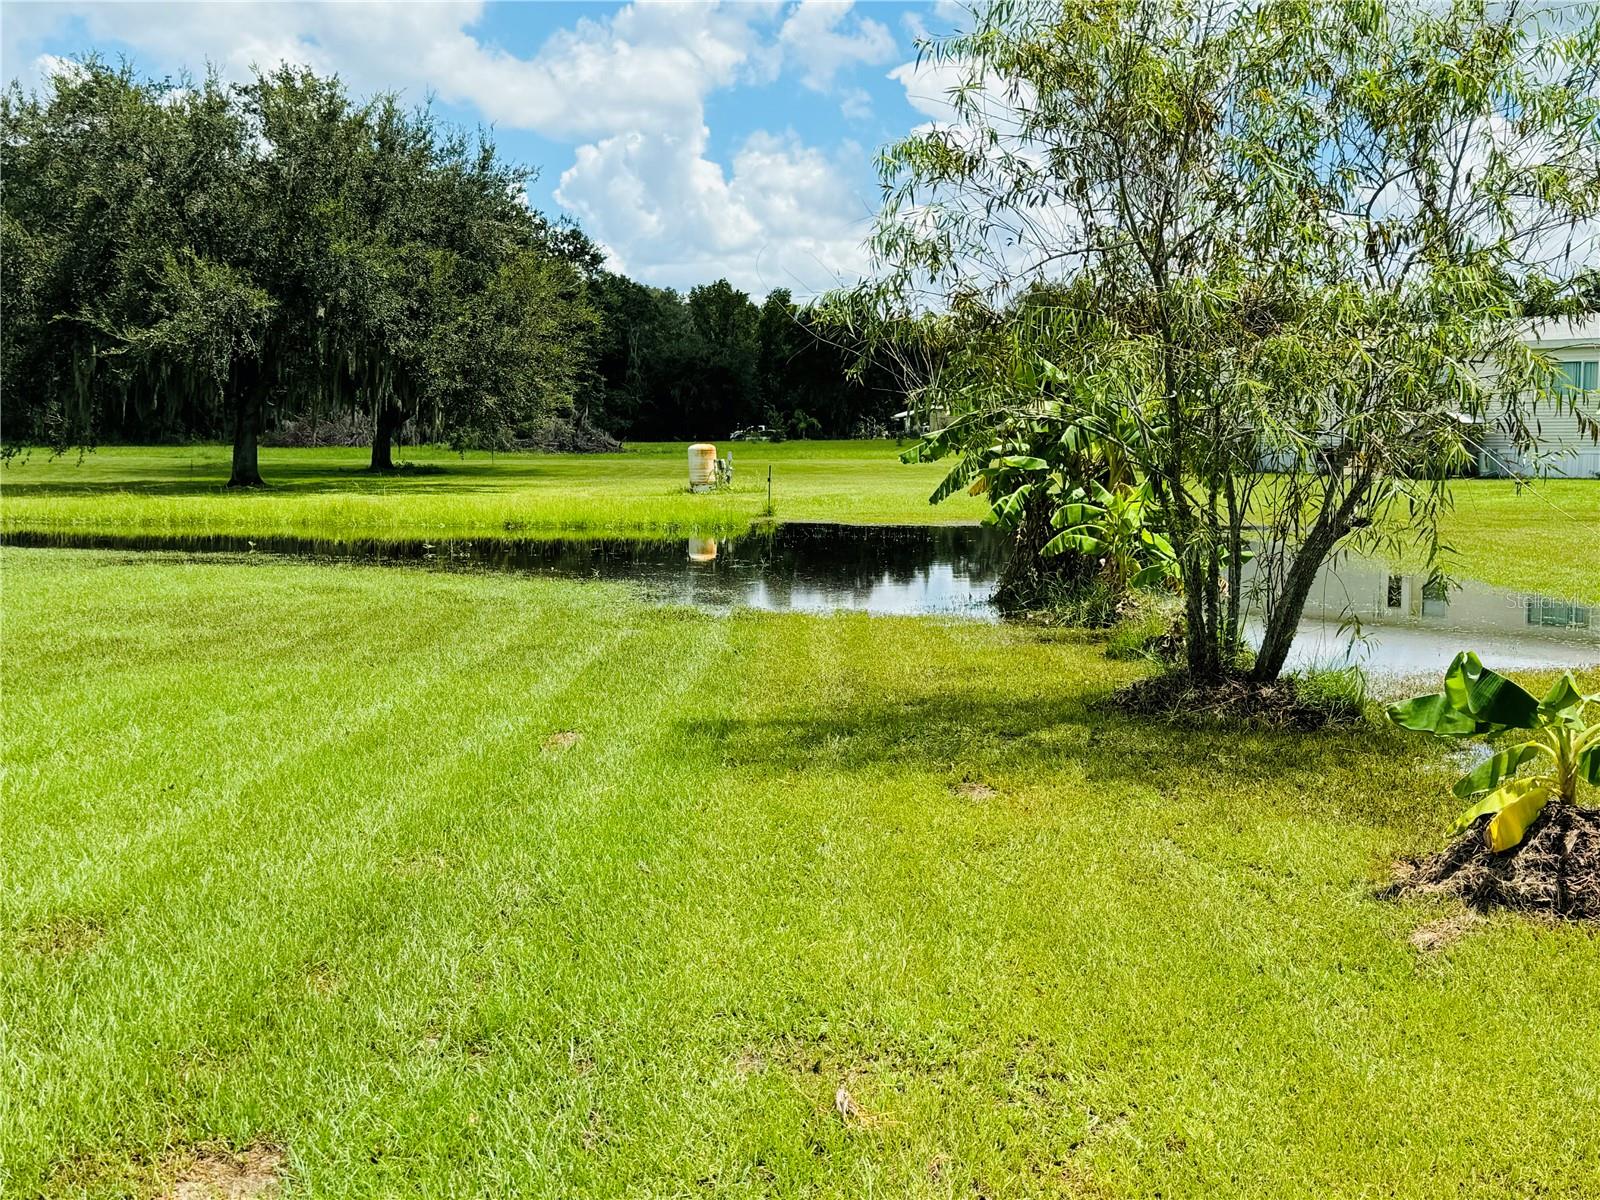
point(209, 477)
point(1070, 738)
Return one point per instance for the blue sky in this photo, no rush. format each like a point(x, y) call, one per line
point(691, 139)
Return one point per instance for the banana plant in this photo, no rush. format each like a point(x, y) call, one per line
point(1514, 785)
point(1115, 526)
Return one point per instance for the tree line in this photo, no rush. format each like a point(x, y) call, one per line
point(202, 260)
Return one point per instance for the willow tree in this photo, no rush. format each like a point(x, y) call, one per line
point(1285, 240)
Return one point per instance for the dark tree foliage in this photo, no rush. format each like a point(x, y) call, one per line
point(701, 365)
point(202, 260)
point(191, 260)
point(119, 194)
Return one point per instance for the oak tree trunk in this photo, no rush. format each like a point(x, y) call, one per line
point(390, 418)
point(246, 433)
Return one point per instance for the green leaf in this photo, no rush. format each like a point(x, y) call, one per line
point(1589, 765)
point(1063, 542)
point(963, 474)
point(1474, 700)
point(1492, 770)
point(1151, 575)
point(1563, 694)
point(1562, 702)
point(1008, 509)
point(1025, 462)
point(1432, 714)
point(1160, 544)
point(1075, 514)
point(1051, 372)
point(1491, 698)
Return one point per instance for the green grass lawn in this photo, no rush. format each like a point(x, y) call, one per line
point(1544, 538)
point(1539, 539)
point(325, 493)
point(289, 855)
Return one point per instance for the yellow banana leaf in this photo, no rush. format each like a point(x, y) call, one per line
point(1512, 821)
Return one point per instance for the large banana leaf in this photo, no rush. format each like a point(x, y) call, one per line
point(1492, 770)
point(1563, 697)
point(1008, 510)
point(1490, 697)
point(1433, 714)
point(1083, 543)
point(1474, 700)
point(1161, 544)
point(961, 476)
point(1153, 574)
point(1563, 703)
point(1077, 513)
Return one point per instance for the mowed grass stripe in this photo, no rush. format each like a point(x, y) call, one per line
point(410, 715)
point(251, 706)
point(974, 941)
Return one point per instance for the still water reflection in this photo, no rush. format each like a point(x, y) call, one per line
point(908, 570)
point(1407, 627)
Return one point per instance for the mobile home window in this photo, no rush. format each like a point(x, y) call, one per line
point(1554, 613)
point(1577, 375)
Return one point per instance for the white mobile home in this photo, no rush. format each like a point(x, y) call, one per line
point(1565, 449)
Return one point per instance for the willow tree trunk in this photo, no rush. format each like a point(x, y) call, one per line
point(246, 435)
point(390, 419)
point(1199, 634)
point(1283, 620)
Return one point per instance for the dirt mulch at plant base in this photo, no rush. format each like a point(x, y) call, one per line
point(1555, 869)
point(1174, 697)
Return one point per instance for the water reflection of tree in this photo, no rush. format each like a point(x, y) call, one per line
point(857, 561)
point(829, 560)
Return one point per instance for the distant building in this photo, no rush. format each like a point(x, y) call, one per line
point(915, 423)
point(1565, 450)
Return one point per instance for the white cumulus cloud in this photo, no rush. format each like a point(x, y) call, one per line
point(627, 88)
point(821, 39)
point(782, 216)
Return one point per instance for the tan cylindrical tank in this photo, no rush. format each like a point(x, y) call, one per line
point(702, 549)
point(702, 466)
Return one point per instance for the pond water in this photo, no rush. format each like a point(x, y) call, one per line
point(1362, 613)
point(1406, 627)
point(817, 568)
